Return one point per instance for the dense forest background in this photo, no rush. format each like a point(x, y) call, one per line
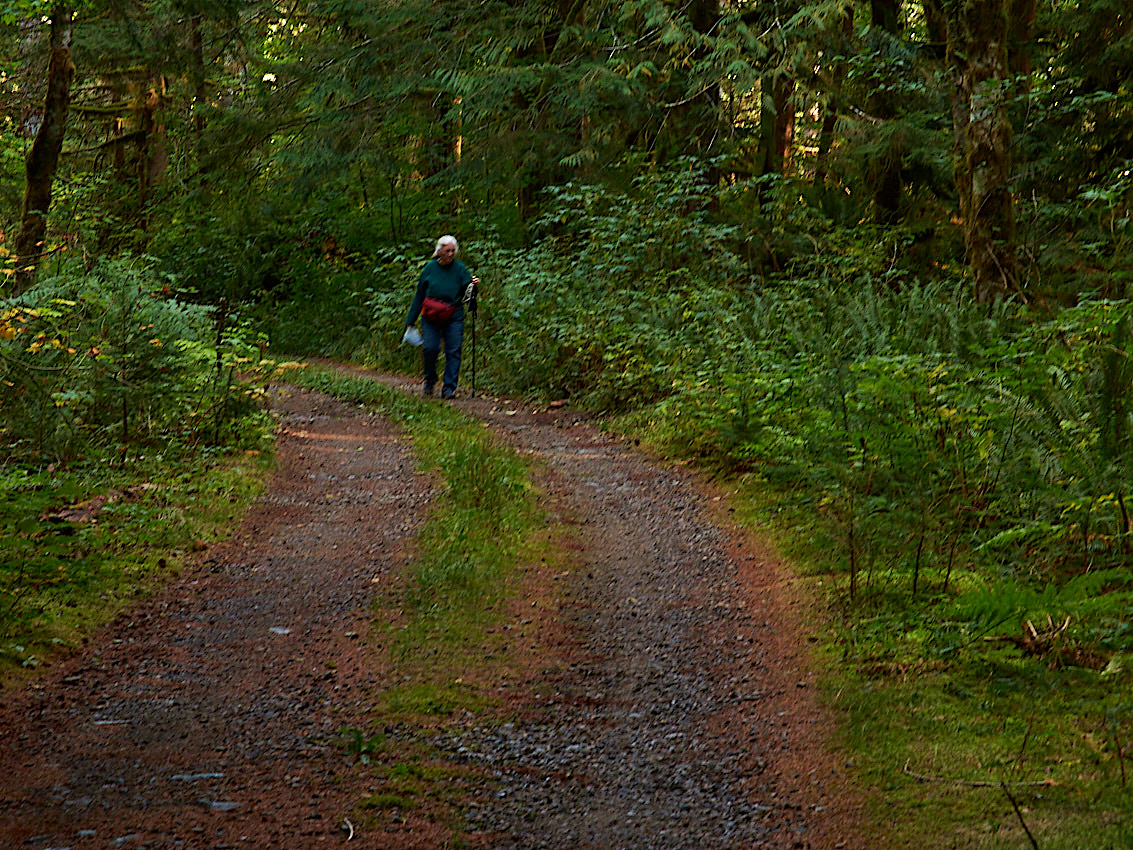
point(874, 255)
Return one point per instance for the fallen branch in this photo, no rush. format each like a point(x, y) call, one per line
point(975, 783)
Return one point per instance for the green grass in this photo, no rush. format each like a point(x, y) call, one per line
point(465, 565)
point(950, 750)
point(439, 624)
point(60, 579)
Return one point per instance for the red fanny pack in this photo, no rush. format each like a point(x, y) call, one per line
point(437, 311)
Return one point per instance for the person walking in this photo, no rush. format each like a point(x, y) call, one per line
point(439, 301)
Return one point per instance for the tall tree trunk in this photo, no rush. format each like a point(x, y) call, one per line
point(532, 178)
point(696, 124)
point(885, 14)
point(1021, 15)
point(936, 26)
point(707, 117)
point(200, 80)
point(766, 162)
point(784, 121)
point(43, 159)
point(888, 187)
point(776, 122)
point(977, 49)
point(153, 155)
point(830, 116)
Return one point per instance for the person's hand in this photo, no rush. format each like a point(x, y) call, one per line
point(475, 281)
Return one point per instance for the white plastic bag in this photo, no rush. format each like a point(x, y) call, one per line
point(412, 336)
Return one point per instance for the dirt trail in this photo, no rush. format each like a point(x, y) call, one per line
point(675, 709)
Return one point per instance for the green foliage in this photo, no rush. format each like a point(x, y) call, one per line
point(12, 11)
point(608, 308)
point(943, 749)
point(802, 319)
point(960, 469)
point(931, 438)
point(108, 359)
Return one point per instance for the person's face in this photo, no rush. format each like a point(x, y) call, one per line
point(447, 254)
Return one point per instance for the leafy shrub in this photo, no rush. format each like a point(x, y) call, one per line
point(321, 310)
point(390, 286)
point(610, 307)
point(108, 359)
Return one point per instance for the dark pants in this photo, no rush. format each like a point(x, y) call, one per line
point(452, 335)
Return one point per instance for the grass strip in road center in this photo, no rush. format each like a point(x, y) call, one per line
point(481, 514)
point(451, 622)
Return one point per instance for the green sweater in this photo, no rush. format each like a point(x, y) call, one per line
point(445, 282)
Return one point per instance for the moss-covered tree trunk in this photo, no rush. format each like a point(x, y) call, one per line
point(978, 38)
point(776, 123)
point(830, 114)
point(43, 159)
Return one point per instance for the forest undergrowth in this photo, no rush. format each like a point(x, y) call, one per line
point(134, 435)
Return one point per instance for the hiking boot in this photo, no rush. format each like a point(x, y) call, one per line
point(428, 389)
point(448, 394)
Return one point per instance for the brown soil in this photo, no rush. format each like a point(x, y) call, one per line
point(210, 716)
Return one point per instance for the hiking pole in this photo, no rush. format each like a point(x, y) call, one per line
point(470, 300)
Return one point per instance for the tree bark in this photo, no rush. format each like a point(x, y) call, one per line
point(707, 117)
point(153, 155)
point(936, 26)
point(199, 77)
point(784, 122)
point(886, 14)
point(1022, 23)
point(978, 37)
point(43, 159)
point(776, 123)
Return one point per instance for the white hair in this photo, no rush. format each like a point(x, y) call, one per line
point(445, 240)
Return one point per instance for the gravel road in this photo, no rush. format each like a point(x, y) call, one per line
point(685, 715)
point(675, 708)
